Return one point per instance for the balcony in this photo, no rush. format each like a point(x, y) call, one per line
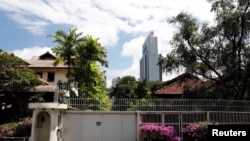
point(53, 99)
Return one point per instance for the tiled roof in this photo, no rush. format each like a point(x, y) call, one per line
point(179, 87)
point(42, 82)
point(34, 63)
point(44, 88)
point(45, 60)
point(179, 84)
point(47, 56)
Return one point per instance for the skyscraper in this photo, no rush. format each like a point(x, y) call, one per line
point(149, 69)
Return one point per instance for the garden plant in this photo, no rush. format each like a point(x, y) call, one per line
point(154, 132)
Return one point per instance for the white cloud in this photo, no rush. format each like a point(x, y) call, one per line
point(105, 20)
point(34, 26)
point(31, 52)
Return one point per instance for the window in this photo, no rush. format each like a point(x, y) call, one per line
point(51, 76)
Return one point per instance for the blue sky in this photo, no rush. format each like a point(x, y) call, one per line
point(120, 25)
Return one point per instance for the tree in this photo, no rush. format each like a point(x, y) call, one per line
point(84, 55)
point(125, 88)
point(142, 90)
point(145, 88)
point(155, 85)
point(65, 49)
point(129, 87)
point(16, 81)
point(219, 52)
point(89, 55)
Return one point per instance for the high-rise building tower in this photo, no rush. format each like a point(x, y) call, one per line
point(149, 69)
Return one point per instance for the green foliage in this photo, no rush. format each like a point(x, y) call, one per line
point(141, 105)
point(23, 128)
point(218, 52)
point(125, 88)
point(16, 129)
point(15, 83)
point(143, 90)
point(14, 74)
point(102, 103)
point(87, 72)
point(66, 46)
point(84, 56)
point(129, 87)
point(155, 85)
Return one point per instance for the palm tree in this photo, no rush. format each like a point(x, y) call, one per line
point(65, 49)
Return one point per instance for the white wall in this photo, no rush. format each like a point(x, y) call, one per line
point(99, 126)
point(60, 74)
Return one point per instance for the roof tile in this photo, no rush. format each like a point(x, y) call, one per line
point(44, 64)
point(179, 84)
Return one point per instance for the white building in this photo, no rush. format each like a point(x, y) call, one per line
point(149, 69)
point(115, 81)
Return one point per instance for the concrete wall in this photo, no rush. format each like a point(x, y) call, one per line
point(98, 126)
point(46, 121)
point(53, 122)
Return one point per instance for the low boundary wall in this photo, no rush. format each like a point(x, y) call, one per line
point(125, 125)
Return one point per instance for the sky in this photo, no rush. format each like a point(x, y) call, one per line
point(120, 25)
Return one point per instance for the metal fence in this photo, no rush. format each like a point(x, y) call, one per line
point(159, 105)
point(175, 112)
point(179, 119)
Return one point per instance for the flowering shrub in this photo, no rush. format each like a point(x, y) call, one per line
point(16, 129)
point(154, 132)
point(196, 130)
point(6, 131)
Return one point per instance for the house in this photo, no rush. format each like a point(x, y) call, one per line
point(47, 74)
point(177, 86)
point(44, 68)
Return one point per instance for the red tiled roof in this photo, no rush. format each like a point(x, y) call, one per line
point(179, 87)
point(170, 89)
point(179, 84)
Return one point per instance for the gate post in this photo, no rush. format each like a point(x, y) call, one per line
point(180, 125)
point(47, 121)
point(138, 121)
